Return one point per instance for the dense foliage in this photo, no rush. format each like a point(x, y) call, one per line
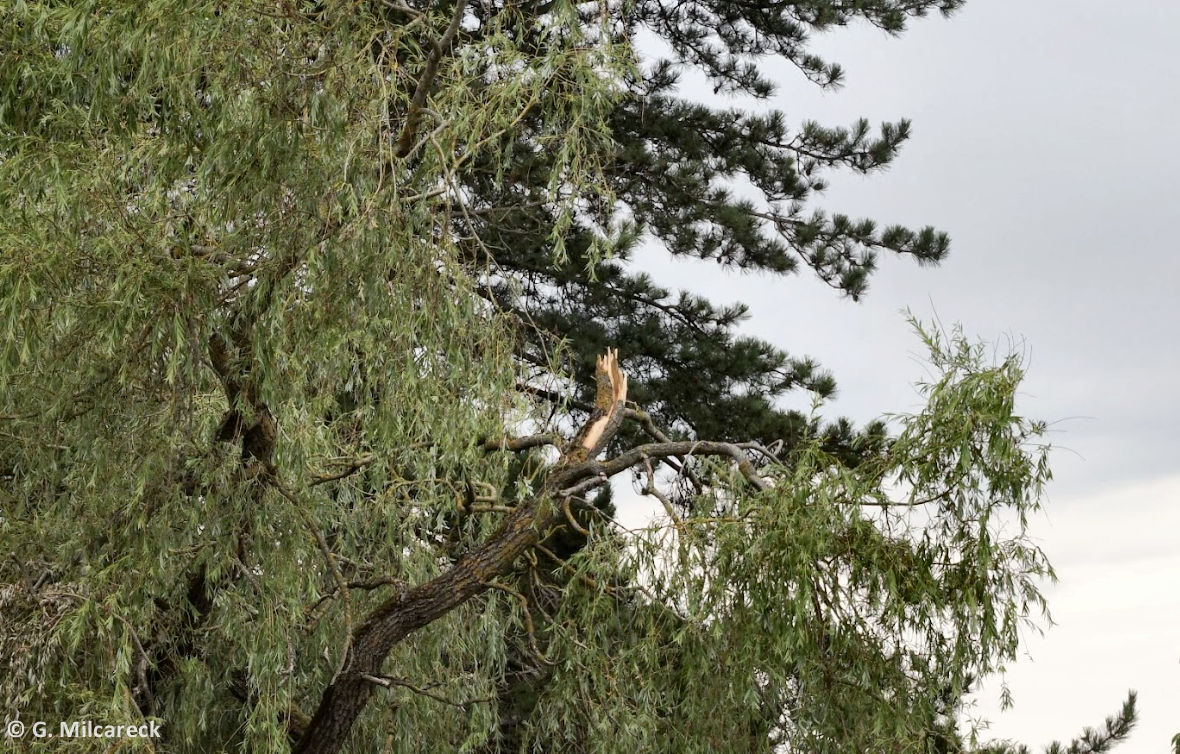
point(300, 304)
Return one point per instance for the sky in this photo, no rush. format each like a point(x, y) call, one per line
point(1045, 142)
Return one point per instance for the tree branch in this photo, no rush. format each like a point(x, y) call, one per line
point(386, 681)
point(392, 621)
point(685, 448)
point(477, 571)
point(414, 112)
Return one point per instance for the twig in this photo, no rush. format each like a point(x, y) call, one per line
point(367, 586)
point(141, 663)
point(569, 515)
point(402, 8)
point(349, 470)
point(389, 682)
point(490, 509)
point(645, 422)
point(528, 618)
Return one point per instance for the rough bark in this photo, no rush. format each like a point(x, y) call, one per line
point(345, 699)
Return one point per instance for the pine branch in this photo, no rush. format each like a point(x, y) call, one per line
point(1116, 729)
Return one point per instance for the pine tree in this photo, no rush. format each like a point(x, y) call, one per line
point(673, 172)
point(278, 473)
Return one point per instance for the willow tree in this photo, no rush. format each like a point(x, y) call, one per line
point(275, 468)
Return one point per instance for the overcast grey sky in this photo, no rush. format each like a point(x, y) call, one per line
point(1045, 141)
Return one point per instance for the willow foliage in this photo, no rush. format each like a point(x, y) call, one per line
point(252, 411)
point(181, 173)
point(838, 610)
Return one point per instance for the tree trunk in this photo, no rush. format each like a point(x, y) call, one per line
point(345, 699)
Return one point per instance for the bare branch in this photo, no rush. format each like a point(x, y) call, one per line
point(585, 486)
point(685, 448)
point(651, 491)
point(387, 681)
point(569, 515)
point(645, 422)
